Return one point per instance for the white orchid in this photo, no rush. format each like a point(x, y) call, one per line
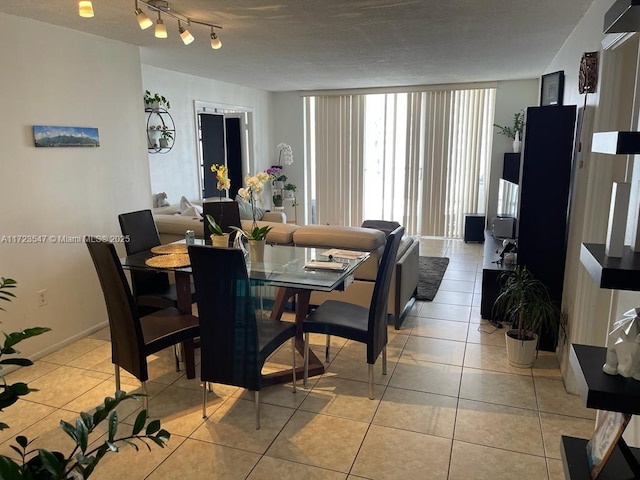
point(285, 154)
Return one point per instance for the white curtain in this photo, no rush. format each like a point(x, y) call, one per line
point(420, 158)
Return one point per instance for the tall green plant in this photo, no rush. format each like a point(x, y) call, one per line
point(10, 393)
point(43, 464)
point(525, 302)
point(518, 126)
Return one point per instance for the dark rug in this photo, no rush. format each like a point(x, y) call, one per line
point(431, 272)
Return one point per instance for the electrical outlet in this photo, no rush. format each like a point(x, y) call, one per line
point(42, 297)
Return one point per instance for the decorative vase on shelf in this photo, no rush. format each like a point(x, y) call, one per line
point(517, 144)
point(220, 240)
point(256, 250)
point(278, 184)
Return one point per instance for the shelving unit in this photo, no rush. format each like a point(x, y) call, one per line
point(159, 117)
point(603, 392)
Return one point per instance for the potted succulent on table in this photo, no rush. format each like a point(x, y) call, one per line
point(524, 301)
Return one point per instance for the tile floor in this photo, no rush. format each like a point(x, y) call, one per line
point(450, 407)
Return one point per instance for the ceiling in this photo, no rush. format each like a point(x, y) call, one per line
point(282, 45)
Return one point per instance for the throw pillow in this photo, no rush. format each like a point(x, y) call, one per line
point(192, 211)
point(184, 204)
point(245, 209)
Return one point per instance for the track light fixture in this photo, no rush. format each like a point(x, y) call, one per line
point(185, 35)
point(215, 41)
point(85, 8)
point(161, 30)
point(162, 6)
point(144, 21)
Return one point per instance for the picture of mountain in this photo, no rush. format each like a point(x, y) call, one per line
point(52, 136)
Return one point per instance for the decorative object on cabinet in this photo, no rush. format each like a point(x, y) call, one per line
point(516, 129)
point(552, 88)
point(160, 130)
point(53, 136)
point(524, 301)
point(623, 351)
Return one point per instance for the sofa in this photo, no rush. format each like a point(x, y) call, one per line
point(372, 238)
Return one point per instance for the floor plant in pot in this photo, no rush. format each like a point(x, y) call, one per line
point(524, 301)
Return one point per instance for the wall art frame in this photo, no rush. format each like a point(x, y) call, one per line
point(56, 136)
point(552, 88)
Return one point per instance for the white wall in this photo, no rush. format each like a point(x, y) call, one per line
point(511, 97)
point(288, 127)
point(176, 172)
point(55, 76)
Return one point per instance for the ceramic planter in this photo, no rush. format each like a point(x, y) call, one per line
point(520, 353)
point(220, 240)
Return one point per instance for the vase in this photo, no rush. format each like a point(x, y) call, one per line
point(517, 144)
point(256, 250)
point(220, 240)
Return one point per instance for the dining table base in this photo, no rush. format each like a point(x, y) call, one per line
point(302, 297)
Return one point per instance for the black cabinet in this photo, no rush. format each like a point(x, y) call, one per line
point(545, 181)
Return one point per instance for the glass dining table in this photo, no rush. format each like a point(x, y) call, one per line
point(295, 272)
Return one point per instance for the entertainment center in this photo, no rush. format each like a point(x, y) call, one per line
point(542, 219)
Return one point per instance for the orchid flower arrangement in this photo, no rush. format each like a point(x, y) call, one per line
point(251, 193)
point(221, 173)
point(285, 154)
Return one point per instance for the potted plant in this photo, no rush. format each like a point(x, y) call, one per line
point(514, 132)
point(524, 301)
point(42, 463)
point(277, 200)
point(165, 136)
point(155, 101)
point(289, 190)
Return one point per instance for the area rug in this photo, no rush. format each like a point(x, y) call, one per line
point(431, 272)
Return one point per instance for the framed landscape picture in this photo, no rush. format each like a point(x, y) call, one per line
point(604, 439)
point(552, 88)
point(53, 136)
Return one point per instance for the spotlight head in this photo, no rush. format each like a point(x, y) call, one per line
point(144, 21)
point(185, 35)
point(161, 30)
point(85, 8)
point(215, 41)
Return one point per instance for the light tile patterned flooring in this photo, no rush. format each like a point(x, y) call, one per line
point(450, 407)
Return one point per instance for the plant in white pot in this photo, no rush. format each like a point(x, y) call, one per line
point(524, 301)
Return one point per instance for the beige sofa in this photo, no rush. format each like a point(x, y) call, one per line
point(404, 282)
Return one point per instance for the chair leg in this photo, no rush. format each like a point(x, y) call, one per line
point(256, 395)
point(293, 362)
point(145, 399)
point(384, 360)
point(305, 374)
point(176, 355)
point(117, 376)
point(204, 400)
point(370, 381)
point(327, 349)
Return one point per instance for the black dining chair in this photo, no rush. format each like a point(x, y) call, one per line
point(354, 322)
point(152, 290)
point(235, 341)
point(226, 213)
point(135, 337)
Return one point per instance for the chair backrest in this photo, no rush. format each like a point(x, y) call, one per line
point(142, 233)
point(377, 329)
point(226, 308)
point(225, 213)
point(127, 343)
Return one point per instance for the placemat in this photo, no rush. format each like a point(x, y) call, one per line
point(172, 260)
point(170, 248)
